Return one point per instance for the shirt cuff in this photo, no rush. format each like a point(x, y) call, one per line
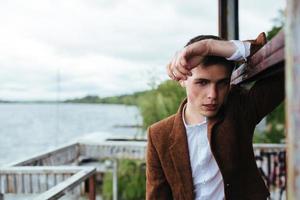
point(242, 50)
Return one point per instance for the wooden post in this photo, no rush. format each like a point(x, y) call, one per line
point(92, 188)
point(228, 19)
point(292, 74)
point(115, 179)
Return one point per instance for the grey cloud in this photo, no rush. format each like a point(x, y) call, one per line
point(138, 33)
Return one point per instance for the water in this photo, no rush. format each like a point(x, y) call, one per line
point(27, 129)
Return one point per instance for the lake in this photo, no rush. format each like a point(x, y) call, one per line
point(27, 129)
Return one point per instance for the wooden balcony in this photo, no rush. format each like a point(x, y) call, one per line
point(55, 173)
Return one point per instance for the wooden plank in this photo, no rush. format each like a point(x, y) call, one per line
point(92, 188)
point(70, 183)
point(36, 179)
point(3, 183)
point(36, 183)
point(27, 184)
point(266, 58)
point(19, 183)
point(51, 180)
point(118, 150)
point(11, 183)
point(58, 153)
point(43, 182)
point(292, 85)
point(41, 169)
point(59, 178)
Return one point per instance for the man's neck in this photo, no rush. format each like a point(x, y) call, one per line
point(191, 115)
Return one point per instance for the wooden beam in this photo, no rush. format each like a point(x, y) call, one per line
point(292, 84)
point(60, 189)
point(228, 19)
point(58, 156)
point(41, 169)
point(92, 187)
point(268, 58)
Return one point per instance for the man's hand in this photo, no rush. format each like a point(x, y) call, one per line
point(185, 60)
point(189, 57)
point(178, 69)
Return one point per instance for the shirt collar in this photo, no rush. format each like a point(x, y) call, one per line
point(194, 125)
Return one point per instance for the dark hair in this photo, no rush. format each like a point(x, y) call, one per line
point(211, 60)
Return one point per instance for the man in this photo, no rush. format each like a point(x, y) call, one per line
point(205, 151)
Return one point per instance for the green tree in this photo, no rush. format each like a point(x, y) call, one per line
point(160, 103)
point(131, 181)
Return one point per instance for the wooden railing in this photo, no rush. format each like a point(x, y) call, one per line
point(45, 183)
point(57, 180)
point(268, 60)
point(114, 150)
point(271, 161)
point(59, 156)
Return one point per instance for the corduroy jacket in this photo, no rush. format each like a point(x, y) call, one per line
point(230, 135)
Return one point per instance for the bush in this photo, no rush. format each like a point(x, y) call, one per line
point(160, 103)
point(131, 181)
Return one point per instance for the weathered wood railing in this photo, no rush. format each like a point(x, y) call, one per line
point(270, 159)
point(47, 182)
point(75, 152)
point(268, 60)
point(59, 156)
point(114, 150)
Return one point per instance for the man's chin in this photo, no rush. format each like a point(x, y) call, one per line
point(209, 114)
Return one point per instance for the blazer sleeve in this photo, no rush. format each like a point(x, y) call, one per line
point(157, 186)
point(265, 96)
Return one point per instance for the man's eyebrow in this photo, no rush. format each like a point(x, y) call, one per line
point(220, 80)
point(201, 79)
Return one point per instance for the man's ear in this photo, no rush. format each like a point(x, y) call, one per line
point(182, 83)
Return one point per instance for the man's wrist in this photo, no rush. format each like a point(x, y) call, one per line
point(242, 50)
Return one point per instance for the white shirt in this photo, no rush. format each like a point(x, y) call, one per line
point(207, 178)
point(242, 50)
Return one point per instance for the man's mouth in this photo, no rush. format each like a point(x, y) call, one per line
point(210, 107)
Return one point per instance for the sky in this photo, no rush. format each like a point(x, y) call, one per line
point(61, 49)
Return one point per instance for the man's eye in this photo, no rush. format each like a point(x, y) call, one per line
point(203, 82)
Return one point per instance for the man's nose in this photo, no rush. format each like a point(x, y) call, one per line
point(213, 92)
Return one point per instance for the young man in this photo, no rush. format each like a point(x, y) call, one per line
point(205, 151)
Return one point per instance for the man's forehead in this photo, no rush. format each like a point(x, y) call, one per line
point(210, 72)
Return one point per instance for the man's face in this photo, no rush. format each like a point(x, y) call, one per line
point(207, 88)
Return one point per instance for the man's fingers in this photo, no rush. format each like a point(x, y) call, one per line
point(183, 67)
point(183, 71)
point(178, 74)
point(170, 73)
point(177, 69)
point(172, 67)
point(182, 64)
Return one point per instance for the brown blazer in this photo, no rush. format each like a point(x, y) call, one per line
point(230, 133)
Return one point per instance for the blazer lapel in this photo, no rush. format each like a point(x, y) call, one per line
point(180, 154)
point(213, 121)
point(210, 124)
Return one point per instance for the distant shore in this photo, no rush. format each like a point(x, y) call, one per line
point(126, 99)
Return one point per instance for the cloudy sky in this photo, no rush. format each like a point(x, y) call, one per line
point(62, 49)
